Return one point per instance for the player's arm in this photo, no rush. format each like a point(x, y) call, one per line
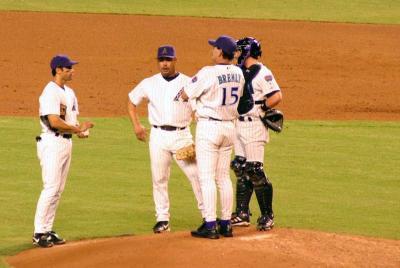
point(273, 99)
point(139, 129)
point(58, 123)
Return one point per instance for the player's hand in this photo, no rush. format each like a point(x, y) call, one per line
point(85, 126)
point(81, 135)
point(141, 133)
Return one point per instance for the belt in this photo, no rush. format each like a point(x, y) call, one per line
point(169, 128)
point(65, 136)
point(245, 118)
point(214, 119)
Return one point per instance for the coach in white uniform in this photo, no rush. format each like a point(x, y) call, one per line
point(252, 136)
point(58, 118)
point(170, 120)
point(217, 90)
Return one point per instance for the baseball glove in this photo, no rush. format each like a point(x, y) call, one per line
point(187, 153)
point(273, 119)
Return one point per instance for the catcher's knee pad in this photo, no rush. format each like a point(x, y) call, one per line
point(238, 166)
point(256, 174)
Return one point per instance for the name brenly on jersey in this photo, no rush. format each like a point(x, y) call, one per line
point(226, 78)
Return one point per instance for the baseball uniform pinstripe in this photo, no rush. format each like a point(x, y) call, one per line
point(54, 152)
point(216, 90)
point(163, 110)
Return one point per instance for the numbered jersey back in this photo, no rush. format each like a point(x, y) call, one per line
point(217, 90)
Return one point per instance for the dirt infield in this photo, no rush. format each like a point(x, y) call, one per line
point(248, 248)
point(326, 71)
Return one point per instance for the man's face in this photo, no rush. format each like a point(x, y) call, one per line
point(65, 73)
point(216, 54)
point(167, 66)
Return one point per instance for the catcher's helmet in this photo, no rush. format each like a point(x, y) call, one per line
point(248, 47)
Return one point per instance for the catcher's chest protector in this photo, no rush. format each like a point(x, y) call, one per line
point(246, 102)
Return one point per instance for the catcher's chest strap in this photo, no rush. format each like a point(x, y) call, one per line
point(169, 128)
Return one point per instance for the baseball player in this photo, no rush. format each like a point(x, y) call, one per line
point(217, 90)
point(252, 137)
point(58, 118)
point(170, 120)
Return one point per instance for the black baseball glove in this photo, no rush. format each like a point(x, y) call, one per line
point(273, 119)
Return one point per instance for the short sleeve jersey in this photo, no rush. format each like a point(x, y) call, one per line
point(217, 90)
point(263, 83)
point(58, 101)
point(164, 108)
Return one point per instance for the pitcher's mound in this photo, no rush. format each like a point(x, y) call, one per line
point(248, 248)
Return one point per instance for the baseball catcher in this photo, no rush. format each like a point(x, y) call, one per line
point(252, 135)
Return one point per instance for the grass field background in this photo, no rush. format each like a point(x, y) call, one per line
point(330, 176)
point(358, 11)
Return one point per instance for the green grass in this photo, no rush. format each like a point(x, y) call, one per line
point(331, 176)
point(358, 11)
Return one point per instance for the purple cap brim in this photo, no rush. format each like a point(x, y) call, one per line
point(212, 42)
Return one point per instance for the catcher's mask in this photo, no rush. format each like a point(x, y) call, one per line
point(248, 47)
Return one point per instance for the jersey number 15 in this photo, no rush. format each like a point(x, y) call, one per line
point(230, 95)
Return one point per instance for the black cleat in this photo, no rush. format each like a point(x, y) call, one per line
point(226, 230)
point(161, 227)
point(265, 222)
point(55, 238)
point(42, 240)
point(240, 219)
point(204, 232)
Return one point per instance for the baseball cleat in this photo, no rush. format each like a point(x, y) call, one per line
point(226, 230)
point(240, 219)
point(161, 227)
point(55, 238)
point(265, 223)
point(204, 232)
point(42, 240)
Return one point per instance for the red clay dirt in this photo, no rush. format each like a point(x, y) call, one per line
point(326, 71)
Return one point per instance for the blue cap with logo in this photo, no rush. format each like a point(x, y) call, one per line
point(61, 61)
point(224, 42)
point(166, 51)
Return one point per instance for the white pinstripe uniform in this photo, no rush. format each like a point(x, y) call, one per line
point(217, 90)
point(165, 111)
point(54, 152)
point(252, 135)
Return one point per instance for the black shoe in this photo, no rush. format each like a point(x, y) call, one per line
point(161, 227)
point(265, 222)
point(42, 240)
point(240, 219)
point(225, 230)
point(204, 232)
point(55, 238)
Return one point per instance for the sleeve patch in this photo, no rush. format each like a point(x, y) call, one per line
point(268, 78)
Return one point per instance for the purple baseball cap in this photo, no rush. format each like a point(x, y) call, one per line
point(166, 51)
point(61, 61)
point(224, 42)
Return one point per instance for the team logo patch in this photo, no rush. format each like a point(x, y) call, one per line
point(194, 79)
point(164, 52)
point(268, 78)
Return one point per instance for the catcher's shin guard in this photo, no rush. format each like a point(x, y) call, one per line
point(262, 186)
point(244, 187)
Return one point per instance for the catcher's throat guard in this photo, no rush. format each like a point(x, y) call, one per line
point(273, 119)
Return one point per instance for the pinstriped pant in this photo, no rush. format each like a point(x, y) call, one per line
point(163, 146)
point(214, 141)
point(54, 154)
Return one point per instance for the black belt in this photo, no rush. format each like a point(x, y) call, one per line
point(169, 128)
point(65, 136)
point(214, 119)
point(245, 118)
